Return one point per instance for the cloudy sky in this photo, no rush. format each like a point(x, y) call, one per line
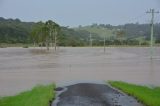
point(80, 12)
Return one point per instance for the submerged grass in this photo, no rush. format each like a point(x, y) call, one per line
point(38, 96)
point(147, 96)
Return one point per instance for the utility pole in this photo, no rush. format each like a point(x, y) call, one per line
point(152, 12)
point(104, 43)
point(55, 40)
point(90, 36)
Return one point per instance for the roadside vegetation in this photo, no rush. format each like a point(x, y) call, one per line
point(38, 96)
point(147, 96)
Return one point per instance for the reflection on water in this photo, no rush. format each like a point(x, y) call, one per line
point(153, 74)
point(22, 68)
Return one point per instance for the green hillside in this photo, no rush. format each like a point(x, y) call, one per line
point(100, 31)
point(138, 32)
point(14, 31)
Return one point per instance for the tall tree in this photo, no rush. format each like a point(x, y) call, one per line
point(45, 37)
point(54, 29)
point(36, 34)
point(56, 32)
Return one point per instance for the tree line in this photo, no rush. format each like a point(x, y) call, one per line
point(49, 33)
point(15, 31)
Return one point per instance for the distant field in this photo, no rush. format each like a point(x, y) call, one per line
point(146, 95)
point(38, 96)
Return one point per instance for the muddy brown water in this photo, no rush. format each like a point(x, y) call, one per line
point(23, 68)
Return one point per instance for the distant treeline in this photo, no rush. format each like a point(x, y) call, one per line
point(16, 31)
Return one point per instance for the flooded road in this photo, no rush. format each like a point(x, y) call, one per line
point(22, 68)
point(86, 94)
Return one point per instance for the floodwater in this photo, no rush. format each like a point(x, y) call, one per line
point(23, 68)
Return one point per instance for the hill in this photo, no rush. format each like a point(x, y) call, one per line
point(140, 32)
point(16, 31)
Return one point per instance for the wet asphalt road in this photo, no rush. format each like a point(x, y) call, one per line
point(87, 94)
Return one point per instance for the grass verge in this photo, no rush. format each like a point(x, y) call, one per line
point(147, 96)
point(38, 96)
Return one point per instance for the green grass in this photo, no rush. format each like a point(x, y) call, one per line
point(38, 96)
point(147, 96)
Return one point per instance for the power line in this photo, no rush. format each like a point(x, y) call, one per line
point(157, 19)
point(138, 17)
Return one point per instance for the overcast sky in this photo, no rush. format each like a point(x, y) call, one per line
point(80, 12)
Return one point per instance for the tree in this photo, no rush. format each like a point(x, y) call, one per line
point(53, 30)
point(120, 35)
point(37, 34)
point(50, 25)
point(56, 31)
point(45, 35)
point(40, 34)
